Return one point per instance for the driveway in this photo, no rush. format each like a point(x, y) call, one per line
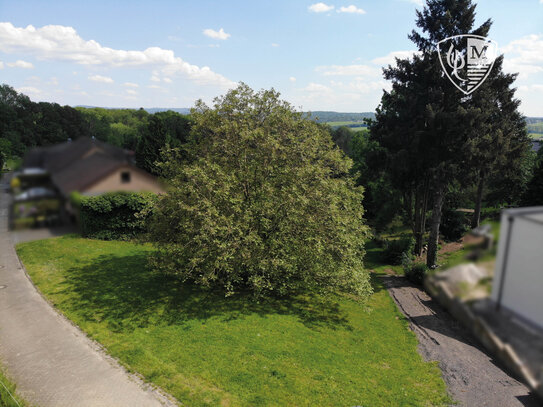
point(472, 376)
point(51, 361)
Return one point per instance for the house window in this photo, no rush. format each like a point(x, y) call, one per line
point(125, 177)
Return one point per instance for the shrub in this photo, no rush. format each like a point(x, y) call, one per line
point(415, 271)
point(114, 215)
point(453, 224)
point(264, 202)
point(493, 213)
point(394, 249)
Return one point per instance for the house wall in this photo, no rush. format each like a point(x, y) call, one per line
point(139, 181)
point(520, 273)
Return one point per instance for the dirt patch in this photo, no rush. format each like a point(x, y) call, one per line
point(451, 247)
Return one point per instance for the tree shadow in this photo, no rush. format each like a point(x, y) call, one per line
point(123, 292)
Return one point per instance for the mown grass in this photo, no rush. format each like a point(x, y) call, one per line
point(206, 349)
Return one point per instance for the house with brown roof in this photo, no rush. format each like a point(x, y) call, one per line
point(90, 167)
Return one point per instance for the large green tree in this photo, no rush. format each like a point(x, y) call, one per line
point(260, 200)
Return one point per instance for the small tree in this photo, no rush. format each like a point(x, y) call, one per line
point(260, 200)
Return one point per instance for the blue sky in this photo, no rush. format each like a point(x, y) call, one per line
point(319, 55)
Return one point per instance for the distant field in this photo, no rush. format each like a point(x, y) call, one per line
point(353, 125)
point(346, 123)
point(536, 135)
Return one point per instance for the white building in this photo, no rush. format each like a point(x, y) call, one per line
point(518, 278)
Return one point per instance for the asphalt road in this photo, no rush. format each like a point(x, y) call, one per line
point(51, 361)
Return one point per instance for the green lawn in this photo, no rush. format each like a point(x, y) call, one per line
point(206, 349)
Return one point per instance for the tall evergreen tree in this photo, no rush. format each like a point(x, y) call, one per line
point(431, 130)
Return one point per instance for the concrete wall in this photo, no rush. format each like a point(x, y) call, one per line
point(519, 263)
point(139, 181)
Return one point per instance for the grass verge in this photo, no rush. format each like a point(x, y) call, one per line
point(8, 398)
point(206, 349)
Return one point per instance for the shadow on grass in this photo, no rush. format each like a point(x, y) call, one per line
point(124, 293)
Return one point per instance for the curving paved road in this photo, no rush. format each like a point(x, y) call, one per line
point(52, 362)
point(472, 377)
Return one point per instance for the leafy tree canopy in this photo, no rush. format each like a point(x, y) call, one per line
point(264, 202)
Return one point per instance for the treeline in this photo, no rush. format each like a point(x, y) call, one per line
point(25, 124)
point(326, 116)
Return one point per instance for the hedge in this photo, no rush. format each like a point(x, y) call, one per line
point(114, 215)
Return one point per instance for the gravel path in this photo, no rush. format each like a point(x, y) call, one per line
point(472, 377)
point(51, 361)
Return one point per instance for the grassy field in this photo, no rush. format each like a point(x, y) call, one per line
point(209, 350)
point(536, 135)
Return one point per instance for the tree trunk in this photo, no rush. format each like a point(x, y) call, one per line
point(431, 258)
point(416, 224)
point(420, 216)
point(477, 214)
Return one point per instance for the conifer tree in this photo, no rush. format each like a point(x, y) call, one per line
point(433, 133)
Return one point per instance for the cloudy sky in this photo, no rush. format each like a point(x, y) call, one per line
point(319, 55)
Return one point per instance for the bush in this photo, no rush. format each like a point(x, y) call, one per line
point(453, 224)
point(395, 249)
point(114, 215)
point(415, 272)
point(260, 201)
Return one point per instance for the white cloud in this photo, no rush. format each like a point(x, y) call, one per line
point(292, 79)
point(131, 85)
point(390, 59)
point(351, 9)
point(531, 88)
point(167, 80)
point(100, 78)
point(524, 55)
point(131, 92)
point(347, 70)
point(317, 87)
point(275, 45)
point(320, 8)
point(62, 43)
point(1, 65)
point(20, 64)
point(29, 90)
point(53, 81)
point(217, 35)
point(155, 78)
